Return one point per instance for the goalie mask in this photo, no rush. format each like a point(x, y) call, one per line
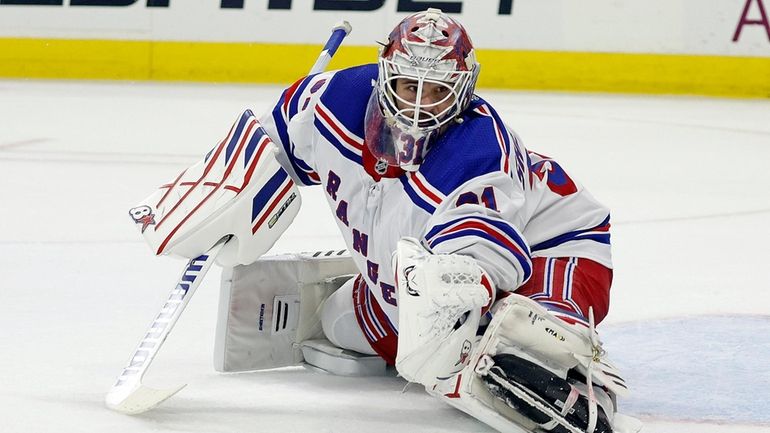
point(427, 74)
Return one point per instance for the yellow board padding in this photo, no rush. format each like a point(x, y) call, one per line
point(626, 73)
point(245, 63)
point(167, 61)
point(283, 63)
point(59, 58)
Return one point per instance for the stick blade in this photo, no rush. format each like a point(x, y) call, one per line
point(138, 399)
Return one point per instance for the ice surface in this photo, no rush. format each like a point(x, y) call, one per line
point(686, 178)
point(705, 368)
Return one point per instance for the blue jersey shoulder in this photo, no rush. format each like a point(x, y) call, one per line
point(348, 93)
point(467, 150)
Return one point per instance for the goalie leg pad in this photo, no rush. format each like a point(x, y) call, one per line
point(268, 308)
point(521, 334)
point(525, 328)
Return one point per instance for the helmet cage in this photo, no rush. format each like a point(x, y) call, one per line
point(420, 112)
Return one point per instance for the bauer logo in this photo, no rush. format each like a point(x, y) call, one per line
point(191, 273)
point(163, 322)
point(280, 212)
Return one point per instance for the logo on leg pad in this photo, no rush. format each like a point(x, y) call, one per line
point(410, 281)
point(142, 215)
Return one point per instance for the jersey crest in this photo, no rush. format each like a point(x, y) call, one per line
point(554, 176)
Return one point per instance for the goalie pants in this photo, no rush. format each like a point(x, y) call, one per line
point(567, 286)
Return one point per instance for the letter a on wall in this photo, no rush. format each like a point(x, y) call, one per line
point(745, 21)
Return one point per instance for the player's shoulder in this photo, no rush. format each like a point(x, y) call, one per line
point(346, 94)
point(479, 145)
point(335, 89)
point(353, 79)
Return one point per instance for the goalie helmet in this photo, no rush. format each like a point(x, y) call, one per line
point(434, 57)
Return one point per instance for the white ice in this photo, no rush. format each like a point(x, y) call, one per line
point(687, 178)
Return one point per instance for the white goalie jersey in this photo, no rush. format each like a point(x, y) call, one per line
point(479, 192)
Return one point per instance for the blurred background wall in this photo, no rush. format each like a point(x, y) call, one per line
point(705, 47)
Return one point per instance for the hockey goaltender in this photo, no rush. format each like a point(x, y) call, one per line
point(478, 268)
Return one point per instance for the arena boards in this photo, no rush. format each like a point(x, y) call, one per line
point(659, 46)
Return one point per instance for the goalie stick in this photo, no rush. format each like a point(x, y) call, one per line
point(339, 31)
point(128, 395)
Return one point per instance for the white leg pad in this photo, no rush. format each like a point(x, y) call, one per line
point(524, 328)
point(466, 392)
point(267, 308)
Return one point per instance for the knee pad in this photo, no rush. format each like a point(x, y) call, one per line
point(339, 322)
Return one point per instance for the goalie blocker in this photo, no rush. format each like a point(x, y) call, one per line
point(238, 183)
point(238, 190)
point(230, 206)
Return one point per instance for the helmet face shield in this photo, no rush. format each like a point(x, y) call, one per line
point(390, 142)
